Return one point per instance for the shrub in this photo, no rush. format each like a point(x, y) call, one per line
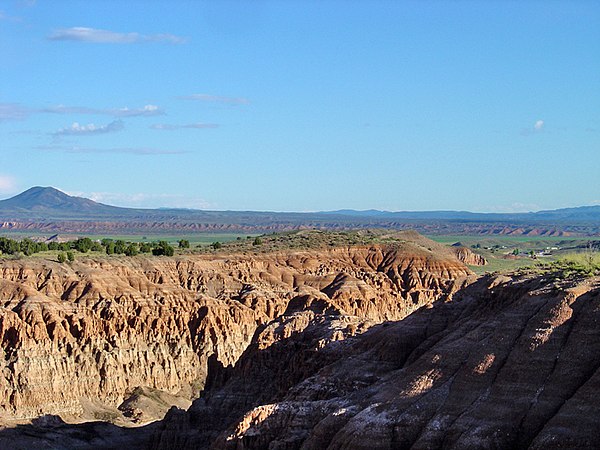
point(61, 258)
point(145, 247)
point(83, 245)
point(163, 248)
point(110, 248)
point(120, 246)
point(131, 250)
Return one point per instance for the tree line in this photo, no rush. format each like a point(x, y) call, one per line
point(28, 247)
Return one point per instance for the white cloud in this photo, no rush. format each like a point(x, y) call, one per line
point(145, 111)
point(84, 130)
point(198, 126)
point(94, 35)
point(148, 110)
point(126, 150)
point(217, 99)
point(538, 127)
point(7, 184)
point(144, 200)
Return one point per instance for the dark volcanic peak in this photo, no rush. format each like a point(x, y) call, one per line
point(45, 197)
point(50, 200)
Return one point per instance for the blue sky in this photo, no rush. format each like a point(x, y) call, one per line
point(303, 106)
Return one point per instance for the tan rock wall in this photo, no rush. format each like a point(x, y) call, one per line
point(100, 327)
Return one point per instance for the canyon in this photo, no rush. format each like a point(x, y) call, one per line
point(388, 345)
point(79, 339)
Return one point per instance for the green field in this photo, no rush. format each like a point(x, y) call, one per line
point(497, 250)
point(194, 238)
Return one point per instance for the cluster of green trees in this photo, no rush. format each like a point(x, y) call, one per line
point(28, 247)
point(25, 246)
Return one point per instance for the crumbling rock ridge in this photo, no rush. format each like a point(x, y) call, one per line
point(505, 362)
point(78, 339)
point(468, 257)
point(508, 363)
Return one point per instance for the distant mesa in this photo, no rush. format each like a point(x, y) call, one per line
point(49, 210)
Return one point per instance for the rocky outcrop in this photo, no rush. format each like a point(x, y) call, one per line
point(101, 329)
point(511, 362)
point(508, 362)
point(470, 258)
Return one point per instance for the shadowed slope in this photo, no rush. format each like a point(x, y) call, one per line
point(510, 363)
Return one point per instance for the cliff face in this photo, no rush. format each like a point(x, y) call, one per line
point(508, 363)
point(468, 257)
point(502, 362)
point(95, 330)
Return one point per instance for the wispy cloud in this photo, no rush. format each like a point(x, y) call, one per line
point(145, 200)
point(91, 129)
point(13, 111)
point(7, 184)
point(538, 127)
point(7, 18)
point(198, 126)
point(124, 150)
point(146, 111)
point(94, 35)
point(216, 99)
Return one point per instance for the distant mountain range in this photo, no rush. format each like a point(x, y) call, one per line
point(578, 214)
point(49, 208)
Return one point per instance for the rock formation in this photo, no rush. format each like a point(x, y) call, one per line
point(465, 255)
point(80, 340)
point(508, 363)
point(502, 362)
